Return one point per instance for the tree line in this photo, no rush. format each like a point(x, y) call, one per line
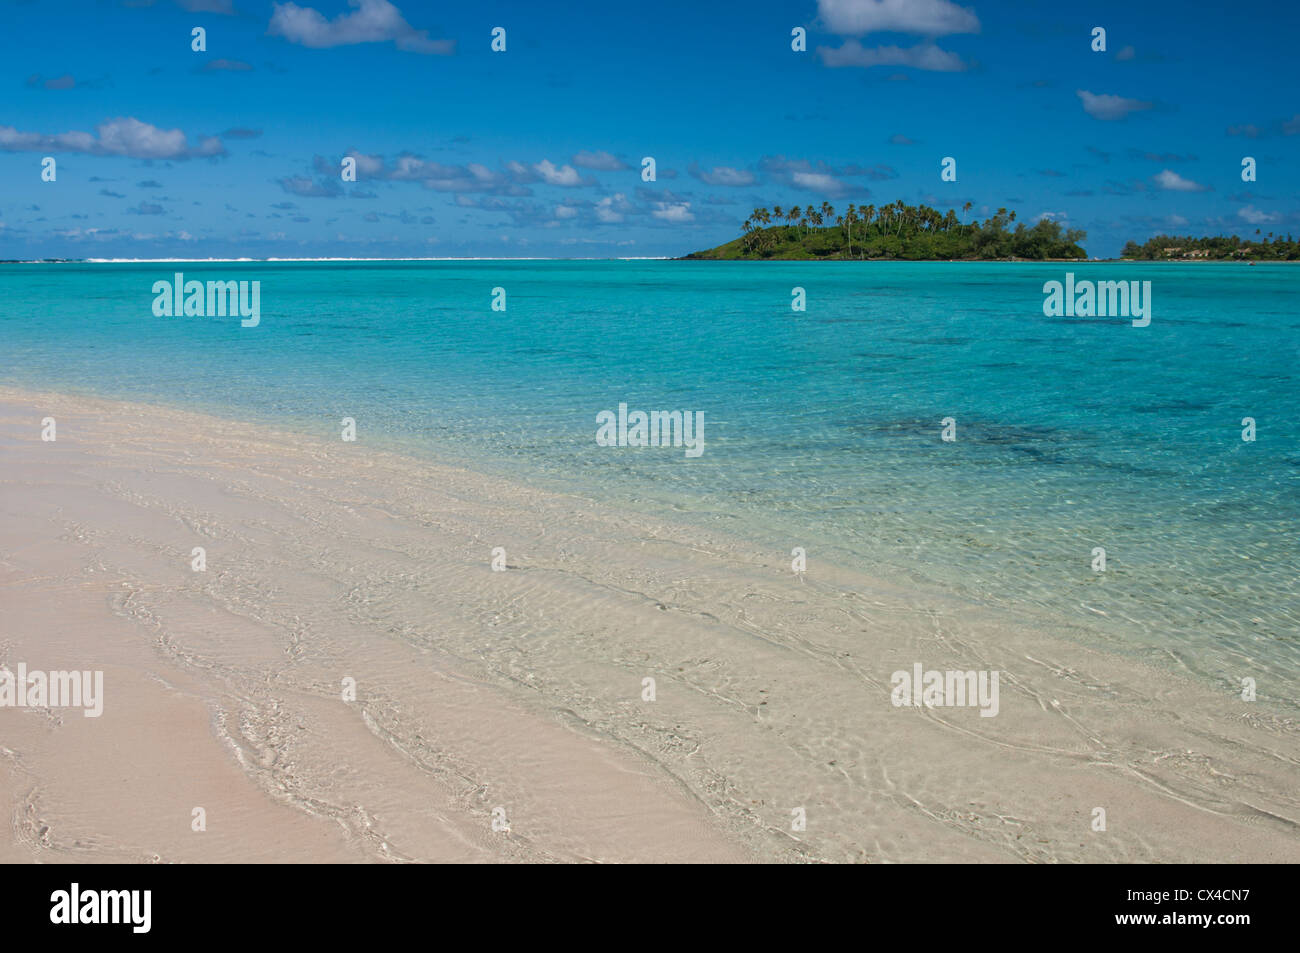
point(896, 230)
point(1215, 248)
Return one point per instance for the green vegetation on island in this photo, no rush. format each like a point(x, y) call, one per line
point(896, 231)
point(1214, 248)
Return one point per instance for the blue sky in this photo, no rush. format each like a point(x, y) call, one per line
point(235, 151)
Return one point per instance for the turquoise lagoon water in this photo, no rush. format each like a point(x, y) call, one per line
point(821, 428)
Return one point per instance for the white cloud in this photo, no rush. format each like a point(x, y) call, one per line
point(513, 179)
point(723, 175)
point(1173, 182)
point(925, 56)
point(472, 177)
point(375, 21)
point(601, 161)
point(818, 182)
point(612, 208)
point(920, 17)
point(675, 212)
point(565, 175)
point(1107, 106)
point(565, 211)
point(367, 165)
point(128, 137)
point(815, 177)
point(1254, 216)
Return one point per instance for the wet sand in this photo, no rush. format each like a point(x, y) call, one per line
point(521, 692)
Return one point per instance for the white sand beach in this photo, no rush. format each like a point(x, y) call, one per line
point(521, 691)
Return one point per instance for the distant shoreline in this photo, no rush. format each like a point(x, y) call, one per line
point(1000, 261)
point(165, 261)
point(942, 261)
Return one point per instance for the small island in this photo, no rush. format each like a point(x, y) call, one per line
point(1213, 248)
point(894, 232)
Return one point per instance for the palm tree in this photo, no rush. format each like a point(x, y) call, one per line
point(762, 217)
point(964, 209)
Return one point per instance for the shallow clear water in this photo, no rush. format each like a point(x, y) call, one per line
point(821, 428)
